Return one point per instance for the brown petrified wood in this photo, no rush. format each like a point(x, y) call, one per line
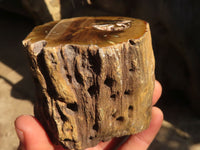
point(94, 78)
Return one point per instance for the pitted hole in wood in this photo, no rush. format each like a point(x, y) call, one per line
point(130, 111)
point(113, 96)
point(127, 92)
point(95, 62)
point(120, 119)
point(132, 69)
point(62, 115)
point(130, 108)
point(132, 42)
point(114, 114)
point(69, 78)
point(109, 81)
point(65, 67)
point(91, 137)
point(93, 90)
point(95, 127)
point(78, 76)
point(67, 140)
point(72, 106)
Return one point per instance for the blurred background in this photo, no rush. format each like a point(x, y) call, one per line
point(175, 37)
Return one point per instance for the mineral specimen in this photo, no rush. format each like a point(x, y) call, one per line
point(94, 78)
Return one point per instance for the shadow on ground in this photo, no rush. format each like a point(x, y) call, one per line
point(13, 29)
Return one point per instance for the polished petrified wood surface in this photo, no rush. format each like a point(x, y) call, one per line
point(94, 78)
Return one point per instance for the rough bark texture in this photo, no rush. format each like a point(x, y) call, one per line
point(94, 78)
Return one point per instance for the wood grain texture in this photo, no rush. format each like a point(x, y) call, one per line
point(94, 78)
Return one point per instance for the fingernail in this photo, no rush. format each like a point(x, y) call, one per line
point(20, 135)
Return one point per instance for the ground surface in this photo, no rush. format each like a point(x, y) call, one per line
point(17, 95)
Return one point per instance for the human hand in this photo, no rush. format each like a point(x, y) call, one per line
point(32, 136)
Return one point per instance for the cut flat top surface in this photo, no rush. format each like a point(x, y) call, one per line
point(100, 31)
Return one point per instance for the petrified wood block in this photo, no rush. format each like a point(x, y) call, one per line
point(94, 78)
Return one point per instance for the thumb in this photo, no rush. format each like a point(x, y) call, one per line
point(31, 134)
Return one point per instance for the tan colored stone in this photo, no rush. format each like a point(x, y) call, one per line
point(94, 78)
